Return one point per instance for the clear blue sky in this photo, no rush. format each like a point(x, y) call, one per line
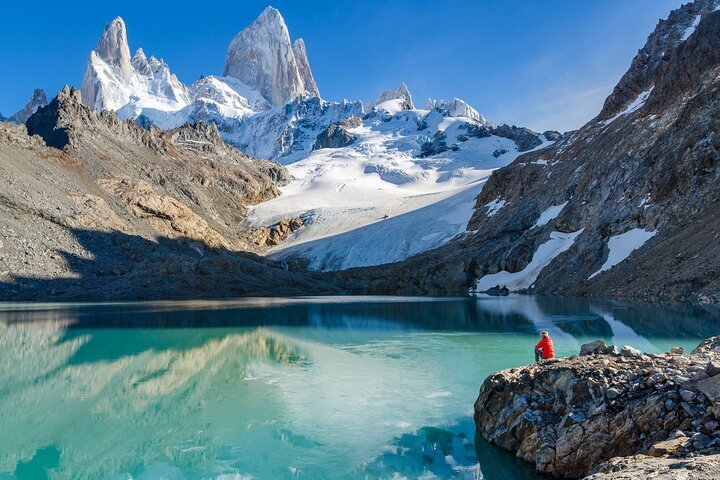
point(542, 64)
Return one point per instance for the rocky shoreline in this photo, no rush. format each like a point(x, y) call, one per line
point(610, 413)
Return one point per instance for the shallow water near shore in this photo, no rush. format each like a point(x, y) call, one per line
point(301, 388)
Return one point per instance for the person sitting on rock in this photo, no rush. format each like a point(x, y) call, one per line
point(544, 348)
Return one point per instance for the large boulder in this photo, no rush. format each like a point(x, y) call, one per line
point(569, 416)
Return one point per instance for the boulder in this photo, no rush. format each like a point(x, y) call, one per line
point(593, 347)
point(631, 352)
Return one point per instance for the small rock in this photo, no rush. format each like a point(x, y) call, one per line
point(712, 369)
point(667, 447)
point(687, 395)
point(630, 352)
point(677, 350)
point(656, 378)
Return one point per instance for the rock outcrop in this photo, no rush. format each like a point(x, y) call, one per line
point(641, 467)
point(337, 134)
point(570, 416)
point(650, 60)
point(275, 234)
point(262, 57)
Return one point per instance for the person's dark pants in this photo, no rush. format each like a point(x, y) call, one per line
point(538, 355)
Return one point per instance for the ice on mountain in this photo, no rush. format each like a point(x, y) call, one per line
point(393, 101)
point(457, 108)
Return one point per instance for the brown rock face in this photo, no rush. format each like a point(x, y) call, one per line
point(94, 207)
point(569, 416)
point(275, 234)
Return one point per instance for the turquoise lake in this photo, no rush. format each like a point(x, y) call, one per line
point(301, 388)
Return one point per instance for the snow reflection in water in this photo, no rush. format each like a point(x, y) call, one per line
point(297, 388)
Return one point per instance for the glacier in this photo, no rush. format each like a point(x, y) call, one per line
point(404, 179)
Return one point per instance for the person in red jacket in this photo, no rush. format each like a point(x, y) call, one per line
point(544, 348)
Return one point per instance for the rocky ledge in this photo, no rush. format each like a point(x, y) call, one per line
point(609, 413)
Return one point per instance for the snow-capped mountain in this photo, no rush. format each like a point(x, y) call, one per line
point(263, 57)
point(115, 81)
point(417, 169)
point(405, 181)
point(392, 101)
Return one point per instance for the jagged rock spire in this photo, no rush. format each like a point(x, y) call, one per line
point(113, 47)
point(114, 81)
point(306, 74)
point(262, 56)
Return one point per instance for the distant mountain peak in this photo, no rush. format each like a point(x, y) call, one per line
point(37, 100)
point(396, 99)
point(263, 57)
point(113, 79)
point(457, 108)
point(113, 47)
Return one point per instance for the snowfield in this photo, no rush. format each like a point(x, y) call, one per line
point(376, 201)
point(559, 242)
point(621, 246)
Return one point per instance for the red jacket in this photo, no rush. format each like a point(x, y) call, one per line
point(548, 349)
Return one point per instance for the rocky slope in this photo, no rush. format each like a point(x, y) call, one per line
point(570, 416)
point(97, 207)
point(626, 206)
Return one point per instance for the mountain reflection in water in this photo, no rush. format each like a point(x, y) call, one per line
point(283, 388)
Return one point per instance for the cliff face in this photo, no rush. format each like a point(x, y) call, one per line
point(262, 57)
point(626, 206)
point(569, 416)
point(97, 207)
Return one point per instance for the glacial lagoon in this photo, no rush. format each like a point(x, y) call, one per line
point(296, 388)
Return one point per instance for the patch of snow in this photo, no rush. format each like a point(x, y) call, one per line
point(494, 207)
point(644, 202)
point(550, 213)
point(621, 246)
point(559, 242)
point(691, 29)
point(634, 105)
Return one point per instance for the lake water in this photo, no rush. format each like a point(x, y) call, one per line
point(339, 388)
